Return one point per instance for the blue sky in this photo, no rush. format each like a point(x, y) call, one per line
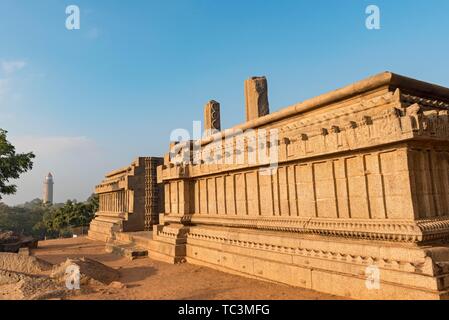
point(88, 101)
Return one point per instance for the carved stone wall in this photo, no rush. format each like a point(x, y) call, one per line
point(129, 200)
point(361, 178)
point(154, 193)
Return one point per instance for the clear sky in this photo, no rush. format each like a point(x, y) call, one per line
point(91, 100)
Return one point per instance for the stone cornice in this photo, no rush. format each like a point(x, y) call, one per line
point(386, 79)
point(430, 103)
point(382, 230)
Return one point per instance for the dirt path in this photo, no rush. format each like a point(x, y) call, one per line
point(151, 280)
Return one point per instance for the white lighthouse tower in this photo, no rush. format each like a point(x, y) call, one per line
point(48, 189)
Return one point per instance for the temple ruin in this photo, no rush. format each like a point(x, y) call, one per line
point(346, 193)
point(129, 200)
point(361, 184)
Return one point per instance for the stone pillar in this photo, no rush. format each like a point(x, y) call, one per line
point(256, 98)
point(184, 197)
point(212, 117)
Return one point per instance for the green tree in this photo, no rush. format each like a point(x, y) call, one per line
point(71, 215)
point(11, 164)
point(23, 220)
point(93, 203)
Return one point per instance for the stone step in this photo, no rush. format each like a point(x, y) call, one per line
point(143, 240)
point(127, 250)
point(123, 237)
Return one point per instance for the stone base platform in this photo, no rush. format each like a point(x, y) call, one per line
point(344, 267)
point(169, 243)
point(156, 247)
point(330, 265)
point(104, 228)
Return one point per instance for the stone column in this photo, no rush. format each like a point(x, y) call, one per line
point(212, 117)
point(130, 201)
point(256, 98)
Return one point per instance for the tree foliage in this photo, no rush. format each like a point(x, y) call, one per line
point(24, 219)
point(93, 202)
point(48, 221)
point(11, 164)
point(73, 214)
point(36, 218)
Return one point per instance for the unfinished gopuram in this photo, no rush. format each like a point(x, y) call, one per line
point(129, 200)
point(346, 193)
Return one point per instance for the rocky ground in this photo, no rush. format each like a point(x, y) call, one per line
point(13, 242)
point(107, 276)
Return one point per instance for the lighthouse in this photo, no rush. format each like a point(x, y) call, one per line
point(48, 189)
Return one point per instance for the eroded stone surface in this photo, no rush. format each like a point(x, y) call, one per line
point(360, 181)
point(13, 242)
point(212, 117)
point(256, 98)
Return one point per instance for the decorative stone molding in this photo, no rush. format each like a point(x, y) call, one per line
point(427, 103)
point(129, 199)
point(364, 260)
point(385, 230)
point(385, 128)
point(212, 117)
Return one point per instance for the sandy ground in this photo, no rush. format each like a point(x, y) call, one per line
point(147, 279)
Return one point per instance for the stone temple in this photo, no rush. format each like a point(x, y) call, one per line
point(346, 193)
point(130, 200)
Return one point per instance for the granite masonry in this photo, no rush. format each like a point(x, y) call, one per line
point(356, 203)
point(130, 200)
